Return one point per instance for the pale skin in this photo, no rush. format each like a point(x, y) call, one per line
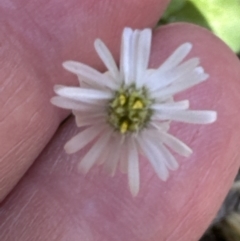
point(53, 201)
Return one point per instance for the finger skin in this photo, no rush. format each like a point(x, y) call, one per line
point(55, 202)
point(36, 37)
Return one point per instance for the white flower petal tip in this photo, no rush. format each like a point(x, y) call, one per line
point(126, 32)
point(200, 70)
point(107, 59)
point(183, 50)
point(128, 109)
point(82, 169)
point(187, 46)
point(63, 103)
point(70, 65)
point(210, 117)
point(56, 88)
point(187, 153)
point(164, 176)
point(54, 101)
point(68, 149)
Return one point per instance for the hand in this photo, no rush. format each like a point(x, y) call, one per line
point(53, 201)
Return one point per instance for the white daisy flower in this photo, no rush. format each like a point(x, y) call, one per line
point(127, 111)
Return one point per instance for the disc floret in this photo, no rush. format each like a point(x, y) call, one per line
point(130, 109)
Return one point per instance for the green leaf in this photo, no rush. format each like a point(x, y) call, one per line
point(220, 16)
point(184, 11)
point(223, 16)
point(174, 6)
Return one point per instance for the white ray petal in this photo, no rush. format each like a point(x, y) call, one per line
point(82, 139)
point(98, 112)
point(106, 151)
point(67, 103)
point(155, 139)
point(199, 70)
point(123, 163)
point(107, 59)
point(143, 54)
point(180, 105)
point(125, 58)
point(133, 168)
point(178, 55)
point(116, 157)
point(104, 154)
point(93, 154)
point(155, 80)
point(107, 164)
point(185, 67)
point(180, 86)
point(80, 94)
point(112, 159)
point(190, 116)
point(162, 126)
point(133, 57)
point(175, 144)
point(89, 120)
point(87, 84)
point(152, 153)
point(170, 160)
point(89, 74)
point(159, 79)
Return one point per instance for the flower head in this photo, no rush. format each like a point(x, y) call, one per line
point(127, 110)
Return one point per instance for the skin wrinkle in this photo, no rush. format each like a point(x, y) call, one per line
point(196, 191)
point(7, 83)
point(7, 5)
point(187, 204)
point(86, 233)
point(35, 47)
point(20, 155)
point(72, 218)
point(14, 44)
point(39, 36)
point(56, 162)
point(195, 135)
point(17, 217)
point(206, 175)
point(19, 144)
point(8, 229)
point(67, 213)
point(43, 219)
point(172, 236)
point(16, 91)
point(13, 150)
point(19, 107)
point(25, 229)
point(21, 5)
point(4, 88)
point(185, 237)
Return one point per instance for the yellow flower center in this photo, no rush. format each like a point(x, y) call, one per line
point(129, 110)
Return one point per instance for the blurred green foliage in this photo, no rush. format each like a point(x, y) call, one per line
point(222, 17)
